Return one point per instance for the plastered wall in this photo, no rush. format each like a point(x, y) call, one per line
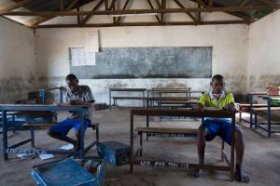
point(17, 61)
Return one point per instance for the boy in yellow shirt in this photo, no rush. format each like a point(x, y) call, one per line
point(212, 127)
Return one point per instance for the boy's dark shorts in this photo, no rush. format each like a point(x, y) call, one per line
point(222, 128)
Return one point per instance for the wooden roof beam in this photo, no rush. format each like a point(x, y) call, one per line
point(48, 17)
point(124, 8)
point(152, 7)
point(188, 13)
point(141, 24)
point(244, 2)
point(141, 11)
point(268, 2)
point(84, 21)
point(15, 6)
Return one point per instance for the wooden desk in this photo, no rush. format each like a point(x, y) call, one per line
point(268, 109)
point(191, 113)
point(251, 100)
point(42, 94)
point(17, 108)
point(124, 90)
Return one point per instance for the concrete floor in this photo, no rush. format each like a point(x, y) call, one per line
point(262, 156)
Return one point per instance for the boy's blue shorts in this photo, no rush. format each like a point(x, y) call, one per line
point(222, 128)
point(63, 127)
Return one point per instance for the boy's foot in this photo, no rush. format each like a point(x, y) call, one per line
point(241, 176)
point(195, 173)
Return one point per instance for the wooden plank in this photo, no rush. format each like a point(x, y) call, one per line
point(245, 2)
point(93, 9)
point(166, 130)
point(266, 109)
point(254, 105)
point(15, 6)
point(140, 24)
point(127, 89)
point(182, 6)
point(129, 97)
point(124, 7)
point(152, 7)
point(48, 17)
point(257, 93)
point(140, 11)
point(181, 112)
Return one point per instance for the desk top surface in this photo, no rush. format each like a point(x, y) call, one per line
point(257, 93)
point(40, 107)
point(127, 89)
point(182, 112)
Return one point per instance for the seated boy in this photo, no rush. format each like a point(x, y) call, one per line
point(77, 95)
point(212, 127)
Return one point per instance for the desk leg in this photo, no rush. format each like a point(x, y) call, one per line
point(232, 149)
point(143, 98)
point(269, 117)
point(5, 139)
point(251, 111)
point(32, 137)
point(110, 103)
point(61, 95)
point(131, 142)
point(147, 125)
point(82, 134)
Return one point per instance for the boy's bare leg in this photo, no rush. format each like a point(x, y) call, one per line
point(63, 138)
point(77, 147)
point(241, 176)
point(200, 148)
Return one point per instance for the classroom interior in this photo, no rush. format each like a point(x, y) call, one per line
point(41, 42)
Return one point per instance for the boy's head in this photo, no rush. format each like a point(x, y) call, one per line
point(217, 84)
point(72, 82)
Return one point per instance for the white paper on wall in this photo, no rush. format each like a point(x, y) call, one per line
point(81, 58)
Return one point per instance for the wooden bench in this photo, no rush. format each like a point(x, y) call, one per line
point(44, 125)
point(165, 132)
point(242, 106)
point(128, 98)
point(141, 90)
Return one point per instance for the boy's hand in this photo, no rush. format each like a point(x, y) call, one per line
point(230, 107)
point(76, 102)
point(199, 106)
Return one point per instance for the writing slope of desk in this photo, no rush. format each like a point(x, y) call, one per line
point(191, 113)
point(15, 107)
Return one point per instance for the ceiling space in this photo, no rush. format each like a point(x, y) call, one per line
point(109, 13)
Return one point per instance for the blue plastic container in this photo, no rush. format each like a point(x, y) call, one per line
point(114, 152)
point(67, 172)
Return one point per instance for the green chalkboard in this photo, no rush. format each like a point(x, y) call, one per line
point(148, 62)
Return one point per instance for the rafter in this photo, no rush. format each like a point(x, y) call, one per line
point(163, 6)
point(40, 20)
point(158, 3)
point(245, 17)
point(142, 24)
point(61, 5)
point(112, 4)
point(199, 13)
point(15, 6)
point(152, 7)
point(268, 2)
point(124, 8)
point(200, 2)
point(210, 3)
point(93, 9)
point(141, 11)
point(182, 6)
point(244, 2)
